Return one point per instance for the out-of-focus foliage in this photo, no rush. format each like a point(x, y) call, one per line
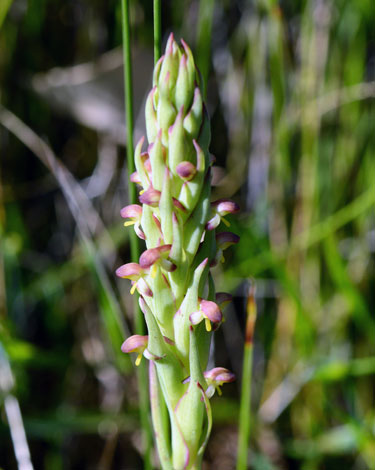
point(291, 88)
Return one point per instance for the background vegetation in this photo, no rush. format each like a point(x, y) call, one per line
point(290, 92)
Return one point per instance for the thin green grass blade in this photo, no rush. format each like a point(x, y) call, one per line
point(157, 30)
point(245, 406)
point(128, 84)
point(134, 244)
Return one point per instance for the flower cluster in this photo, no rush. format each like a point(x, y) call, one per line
point(178, 223)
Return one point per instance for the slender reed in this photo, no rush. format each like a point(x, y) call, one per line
point(157, 30)
point(245, 406)
point(134, 243)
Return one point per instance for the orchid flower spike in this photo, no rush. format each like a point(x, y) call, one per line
point(177, 221)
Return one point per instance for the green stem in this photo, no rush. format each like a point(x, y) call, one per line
point(245, 405)
point(134, 244)
point(128, 83)
point(157, 30)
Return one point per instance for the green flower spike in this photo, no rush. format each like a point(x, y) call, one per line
point(177, 296)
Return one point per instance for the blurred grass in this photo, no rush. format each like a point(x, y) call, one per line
point(290, 90)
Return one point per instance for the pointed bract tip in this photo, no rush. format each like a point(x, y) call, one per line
point(186, 47)
point(169, 46)
point(140, 143)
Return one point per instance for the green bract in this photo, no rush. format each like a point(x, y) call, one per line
point(177, 295)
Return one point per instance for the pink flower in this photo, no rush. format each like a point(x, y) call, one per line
point(220, 208)
point(223, 241)
point(157, 257)
point(215, 378)
point(135, 343)
point(135, 273)
point(209, 312)
point(134, 213)
point(151, 197)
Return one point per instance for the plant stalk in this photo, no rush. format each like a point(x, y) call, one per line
point(157, 30)
point(134, 244)
point(245, 406)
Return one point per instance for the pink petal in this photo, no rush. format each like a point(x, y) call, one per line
point(130, 271)
point(151, 256)
point(225, 239)
point(211, 311)
point(225, 206)
point(150, 197)
point(134, 343)
point(213, 222)
point(220, 375)
point(143, 288)
point(196, 317)
point(139, 232)
point(131, 211)
point(134, 178)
